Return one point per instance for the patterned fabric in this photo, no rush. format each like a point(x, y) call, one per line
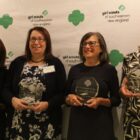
point(131, 69)
point(29, 125)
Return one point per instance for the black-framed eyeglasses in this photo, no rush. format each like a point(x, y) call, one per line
point(40, 40)
point(90, 43)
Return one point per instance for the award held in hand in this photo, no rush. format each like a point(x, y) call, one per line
point(86, 87)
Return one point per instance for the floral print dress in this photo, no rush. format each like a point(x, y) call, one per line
point(131, 70)
point(29, 125)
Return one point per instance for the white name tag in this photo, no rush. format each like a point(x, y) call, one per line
point(48, 69)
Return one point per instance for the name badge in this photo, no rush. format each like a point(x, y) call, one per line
point(48, 69)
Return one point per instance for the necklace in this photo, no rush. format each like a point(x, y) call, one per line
point(37, 61)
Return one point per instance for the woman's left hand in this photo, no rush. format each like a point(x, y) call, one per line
point(40, 106)
point(93, 103)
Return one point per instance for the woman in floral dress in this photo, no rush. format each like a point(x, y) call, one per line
point(34, 90)
point(130, 90)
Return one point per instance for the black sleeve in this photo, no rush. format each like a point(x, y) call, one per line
point(123, 70)
point(114, 88)
point(69, 82)
point(3, 73)
point(12, 79)
point(7, 92)
point(58, 98)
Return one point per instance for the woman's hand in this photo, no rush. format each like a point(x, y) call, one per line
point(74, 100)
point(125, 91)
point(93, 103)
point(39, 106)
point(98, 101)
point(19, 104)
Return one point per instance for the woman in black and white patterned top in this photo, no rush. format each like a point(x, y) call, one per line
point(130, 90)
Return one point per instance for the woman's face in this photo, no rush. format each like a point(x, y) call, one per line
point(91, 47)
point(37, 43)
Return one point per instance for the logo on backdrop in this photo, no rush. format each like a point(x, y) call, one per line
point(10, 54)
point(41, 19)
point(76, 17)
point(115, 57)
point(6, 21)
point(118, 16)
point(71, 60)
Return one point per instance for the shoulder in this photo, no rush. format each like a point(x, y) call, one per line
point(18, 62)
point(108, 67)
point(130, 56)
point(76, 68)
point(19, 59)
point(56, 62)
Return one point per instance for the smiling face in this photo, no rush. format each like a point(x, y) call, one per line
point(37, 44)
point(91, 48)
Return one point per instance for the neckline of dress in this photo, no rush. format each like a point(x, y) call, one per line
point(34, 61)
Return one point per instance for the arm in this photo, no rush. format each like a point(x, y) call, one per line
point(125, 92)
point(113, 89)
point(60, 80)
point(98, 101)
point(10, 92)
point(71, 98)
point(7, 93)
point(3, 73)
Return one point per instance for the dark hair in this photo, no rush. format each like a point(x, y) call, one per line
point(103, 55)
point(45, 33)
point(2, 54)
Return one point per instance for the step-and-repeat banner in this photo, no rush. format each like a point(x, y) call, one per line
point(67, 21)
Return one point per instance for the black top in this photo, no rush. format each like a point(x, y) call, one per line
point(86, 123)
point(55, 83)
point(3, 72)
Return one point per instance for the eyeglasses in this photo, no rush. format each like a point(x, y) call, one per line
point(40, 40)
point(90, 43)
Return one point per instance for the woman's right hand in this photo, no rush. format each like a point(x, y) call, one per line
point(124, 89)
point(74, 100)
point(127, 93)
point(19, 104)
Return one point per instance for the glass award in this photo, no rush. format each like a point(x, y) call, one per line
point(25, 94)
point(87, 87)
point(31, 92)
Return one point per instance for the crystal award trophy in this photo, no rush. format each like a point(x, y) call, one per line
point(86, 87)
